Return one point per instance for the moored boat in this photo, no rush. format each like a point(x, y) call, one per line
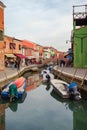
point(47, 76)
point(61, 88)
point(21, 85)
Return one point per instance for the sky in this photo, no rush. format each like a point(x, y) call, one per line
point(45, 22)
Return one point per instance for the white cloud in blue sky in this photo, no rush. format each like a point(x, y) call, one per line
point(45, 22)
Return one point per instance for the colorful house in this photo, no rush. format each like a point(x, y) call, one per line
point(12, 46)
point(12, 49)
point(28, 48)
point(2, 6)
point(80, 38)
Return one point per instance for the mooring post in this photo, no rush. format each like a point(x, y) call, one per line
point(84, 78)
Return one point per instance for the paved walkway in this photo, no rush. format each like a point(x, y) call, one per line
point(9, 73)
point(77, 73)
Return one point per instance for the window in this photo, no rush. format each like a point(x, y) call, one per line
point(1, 35)
point(4, 44)
point(19, 47)
point(12, 46)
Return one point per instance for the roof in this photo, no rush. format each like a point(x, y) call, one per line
point(29, 44)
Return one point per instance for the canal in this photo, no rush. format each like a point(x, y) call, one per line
point(42, 109)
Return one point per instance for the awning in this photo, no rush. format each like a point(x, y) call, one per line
point(10, 55)
point(20, 56)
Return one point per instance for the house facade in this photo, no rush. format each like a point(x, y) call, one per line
point(2, 6)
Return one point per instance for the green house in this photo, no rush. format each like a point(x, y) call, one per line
point(80, 47)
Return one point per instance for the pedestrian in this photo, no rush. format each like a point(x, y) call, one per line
point(18, 63)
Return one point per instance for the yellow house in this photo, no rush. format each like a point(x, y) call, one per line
point(2, 6)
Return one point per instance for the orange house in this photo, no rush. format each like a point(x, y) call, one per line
point(13, 49)
point(29, 48)
point(2, 6)
point(12, 46)
point(1, 25)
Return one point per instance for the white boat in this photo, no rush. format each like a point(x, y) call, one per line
point(61, 86)
point(44, 74)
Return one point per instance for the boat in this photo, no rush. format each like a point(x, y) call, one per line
point(47, 76)
point(21, 86)
point(61, 86)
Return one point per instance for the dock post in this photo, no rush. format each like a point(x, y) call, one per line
point(84, 78)
point(61, 72)
point(74, 74)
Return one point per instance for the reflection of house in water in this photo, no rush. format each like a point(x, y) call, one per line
point(13, 107)
point(80, 119)
point(33, 81)
point(79, 109)
point(2, 115)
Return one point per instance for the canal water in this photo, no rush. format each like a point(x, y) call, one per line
point(42, 109)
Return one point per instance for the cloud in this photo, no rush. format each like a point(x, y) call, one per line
point(41, 21)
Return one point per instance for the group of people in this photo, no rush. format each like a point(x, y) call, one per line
point(14, 63)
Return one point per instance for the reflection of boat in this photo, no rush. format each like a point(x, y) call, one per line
point(21, 85)
point(57, 97)
point(61, 88)
point(72, 105)
point(14, 105)
point(47, 86)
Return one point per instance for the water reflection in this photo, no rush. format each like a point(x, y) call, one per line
point(14, 105)
point(33, 82)
point(79, 110)
point(48, 86)
point(4, 104)
point(43, 109)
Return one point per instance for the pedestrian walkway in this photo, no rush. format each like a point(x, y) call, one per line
point(10, 73)
point(75, 73)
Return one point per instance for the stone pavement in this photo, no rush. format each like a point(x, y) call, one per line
point(78, 73)
point(10, 73)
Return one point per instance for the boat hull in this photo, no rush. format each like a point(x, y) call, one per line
point(60, 88)
point(5, 93)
